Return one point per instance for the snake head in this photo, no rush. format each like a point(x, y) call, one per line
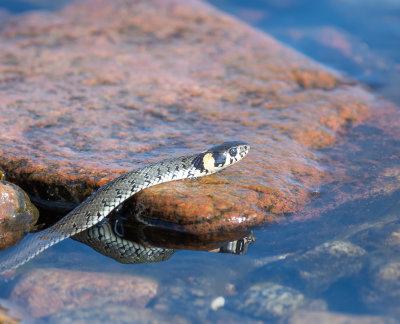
point(221, 156)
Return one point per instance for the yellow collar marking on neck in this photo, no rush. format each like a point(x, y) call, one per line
point(208, 162)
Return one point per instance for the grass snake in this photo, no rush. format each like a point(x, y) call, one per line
point(101, 203)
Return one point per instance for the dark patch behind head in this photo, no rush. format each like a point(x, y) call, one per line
point(198, 162)
point(226, 146)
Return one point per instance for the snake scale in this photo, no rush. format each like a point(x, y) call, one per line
point(101, 203)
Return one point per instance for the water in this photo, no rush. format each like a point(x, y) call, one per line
point(21, 6)
point(338, 257)
point(361, 45)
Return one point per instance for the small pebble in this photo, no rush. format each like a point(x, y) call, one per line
point(217, 303)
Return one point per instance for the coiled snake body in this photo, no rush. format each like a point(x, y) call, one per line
point(101, 203)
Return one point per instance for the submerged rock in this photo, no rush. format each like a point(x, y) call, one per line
point(383, 293)
point(17, 214)
point(305, 317)
point(317, 269)
point(103, 87)
point(327, 263)
point(116, 314)
point(268, 301)
point(47, 291)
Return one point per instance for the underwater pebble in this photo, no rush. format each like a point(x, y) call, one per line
point(267, 300)
point(217, 303)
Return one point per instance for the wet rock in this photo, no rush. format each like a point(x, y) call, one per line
point(303, 317)
point(47, 291)
point(149, 93)
point(315, 270)
point(328, 263)
point(381, 234)
point(267, 301)
point(118, 314)
point(17, 214)
point(367, 162)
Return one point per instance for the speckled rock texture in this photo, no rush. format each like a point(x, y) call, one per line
point(317, 269)
point(48, 291)
point(102, 87)
point(17, 214)
point(304, 317)
point(268, 301)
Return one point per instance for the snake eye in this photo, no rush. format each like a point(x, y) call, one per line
point(233, 151)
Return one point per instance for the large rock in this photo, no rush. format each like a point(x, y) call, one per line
point(17, 214)
point(48, 291)
point(103, 87)
point(314, 271)
point(268, 301)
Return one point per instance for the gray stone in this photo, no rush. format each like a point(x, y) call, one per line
point(267, 301)
point(315, 270)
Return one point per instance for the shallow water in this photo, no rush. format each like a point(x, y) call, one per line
point(340, 255)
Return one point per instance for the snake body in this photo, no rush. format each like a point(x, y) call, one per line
point(101, 203)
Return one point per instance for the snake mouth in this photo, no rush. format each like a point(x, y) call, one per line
point(244, 151)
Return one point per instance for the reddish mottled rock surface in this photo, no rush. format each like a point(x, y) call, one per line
point(103, 87)
point(17, 214)
point(48, 291)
